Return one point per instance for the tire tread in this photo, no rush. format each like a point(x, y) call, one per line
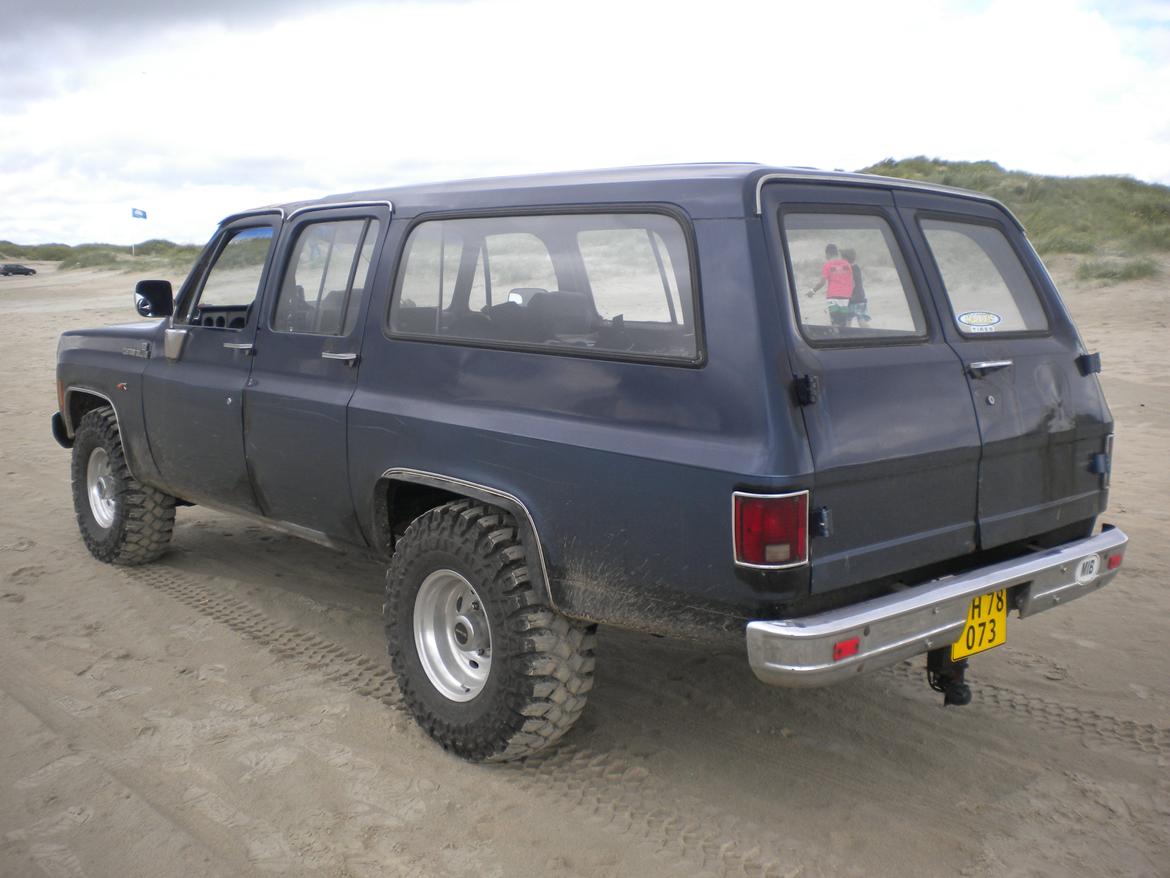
point(546, 680)
point(147, 522)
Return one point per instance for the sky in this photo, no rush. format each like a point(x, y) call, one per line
point(194, 109)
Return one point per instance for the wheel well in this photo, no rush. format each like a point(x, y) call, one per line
point(400, 500)
point(80, 402)
point(398, 503)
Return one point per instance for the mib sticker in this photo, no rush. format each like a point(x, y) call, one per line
point(1087, 569)
point(979, 321)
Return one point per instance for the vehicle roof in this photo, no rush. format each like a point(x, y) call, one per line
point(705, 191)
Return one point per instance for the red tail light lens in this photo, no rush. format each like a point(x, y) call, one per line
point(1114, 562)
point(771, 530)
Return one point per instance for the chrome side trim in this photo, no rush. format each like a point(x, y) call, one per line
point(258, 211)
point(799, 652)
point(745, 564)
point(338, 205)
point(493, 492)
point(869, 180)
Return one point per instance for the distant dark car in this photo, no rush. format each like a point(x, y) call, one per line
point(12, 268)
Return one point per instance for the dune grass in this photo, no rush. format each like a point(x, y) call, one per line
point(155, 254)
point(1117, 269)
point(1104, 216)
point(1117, 225)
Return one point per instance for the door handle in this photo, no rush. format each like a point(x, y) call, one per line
point(982, 367)
point(350, 358)
point(239, 346)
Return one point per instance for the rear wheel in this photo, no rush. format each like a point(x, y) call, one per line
point(121, 520)
point(489, 670)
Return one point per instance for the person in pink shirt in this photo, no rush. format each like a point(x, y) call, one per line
point(837, 273)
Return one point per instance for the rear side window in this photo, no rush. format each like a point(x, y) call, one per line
point(986, 283)
point(623, 262)
point(849, 279)
point(615, 283)
point(322, 289)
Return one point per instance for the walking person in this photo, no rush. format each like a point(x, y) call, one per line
point(837, 274)
point(858, 304)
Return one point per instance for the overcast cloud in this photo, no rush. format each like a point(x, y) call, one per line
point(192, 114)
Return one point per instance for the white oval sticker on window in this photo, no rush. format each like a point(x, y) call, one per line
point(979, 321)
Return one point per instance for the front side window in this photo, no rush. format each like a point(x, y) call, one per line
point(233, 282)
point(606, 283)
point(322, 289)
point(988, 288)
point(849, 278)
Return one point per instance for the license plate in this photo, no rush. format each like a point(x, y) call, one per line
point(986, 625)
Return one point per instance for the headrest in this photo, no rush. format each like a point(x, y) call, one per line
point(567, 313)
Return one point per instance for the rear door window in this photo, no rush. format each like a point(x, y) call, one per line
point(322, 289)
point(849, 279)
point(988, 288)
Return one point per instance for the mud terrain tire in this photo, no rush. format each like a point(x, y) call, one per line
point(541, 663)
point(129, 523)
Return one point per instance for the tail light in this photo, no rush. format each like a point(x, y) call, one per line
point(771, 530)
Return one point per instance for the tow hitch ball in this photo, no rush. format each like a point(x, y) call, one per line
point(946, 676)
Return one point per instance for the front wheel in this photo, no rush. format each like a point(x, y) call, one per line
point(121, 520)
point(488, 670)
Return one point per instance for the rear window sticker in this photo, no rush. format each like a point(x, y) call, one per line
point(979, 321)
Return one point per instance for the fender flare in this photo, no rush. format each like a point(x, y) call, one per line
point(70, 428)
point(526, 526)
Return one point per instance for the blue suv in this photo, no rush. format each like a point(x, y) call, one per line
point(840, 419)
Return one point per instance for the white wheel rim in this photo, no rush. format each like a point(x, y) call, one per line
point(452, 635)
point(100, 486)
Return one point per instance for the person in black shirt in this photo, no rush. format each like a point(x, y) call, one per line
point(858, 304)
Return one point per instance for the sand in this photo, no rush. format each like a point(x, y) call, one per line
point(229, 709)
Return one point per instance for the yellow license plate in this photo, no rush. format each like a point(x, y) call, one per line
point(986, 625)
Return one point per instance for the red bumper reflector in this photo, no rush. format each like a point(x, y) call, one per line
point(843, 649)
point(771, 531)
point(1114, 562)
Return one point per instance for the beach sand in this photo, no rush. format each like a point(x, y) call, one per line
point(229, 710)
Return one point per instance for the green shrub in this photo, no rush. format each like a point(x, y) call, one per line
point(1117, 269)
point(1064, 242)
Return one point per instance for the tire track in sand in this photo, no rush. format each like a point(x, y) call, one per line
point(1104, 728)
point(610, 789)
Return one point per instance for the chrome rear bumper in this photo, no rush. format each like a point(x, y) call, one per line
point(800, 652)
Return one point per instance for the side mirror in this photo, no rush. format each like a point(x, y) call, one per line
point(154, 298)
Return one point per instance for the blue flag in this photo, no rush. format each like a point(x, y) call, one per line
point(137, 214)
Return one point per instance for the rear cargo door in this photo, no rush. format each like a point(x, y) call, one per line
point(884, 400)
point(1042, 417)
